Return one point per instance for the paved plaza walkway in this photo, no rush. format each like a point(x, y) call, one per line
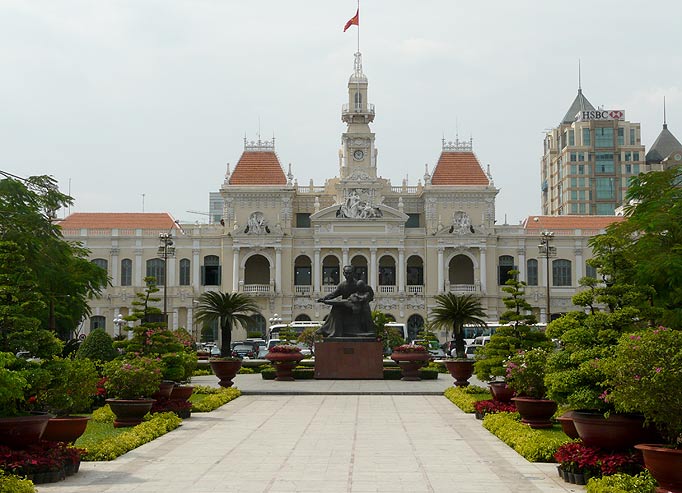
point(369, 436)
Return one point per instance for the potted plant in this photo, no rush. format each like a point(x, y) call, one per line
point(129, 383)
point(284, 357)
point(525, 373)
point(17, 428)
point(70, 389)
point(410, 358)
point(645, 377)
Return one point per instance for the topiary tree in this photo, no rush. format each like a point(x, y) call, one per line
point(518, 335)
point(97, 346)
point(456, 311)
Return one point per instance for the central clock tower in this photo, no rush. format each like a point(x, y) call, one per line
point(358, 155)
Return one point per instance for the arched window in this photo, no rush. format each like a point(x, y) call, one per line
point(506, 263)
point(358, 100)
point(126, 272)
point(302, 318)
point(414, 324)
point(155, 269)
point(532, 272)
point(257, 270)
point(303, 271)
point(330, 270)
point(98, 322)
point(561, 272)
point(185, 272)
point(359, 264)
point(101, 263)
point(210, 271)
point(415, 271)
point(461, 270)
point(387, 271)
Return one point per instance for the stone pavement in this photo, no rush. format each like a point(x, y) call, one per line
point(314, 442)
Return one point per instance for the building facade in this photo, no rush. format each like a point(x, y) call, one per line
point(286, 244)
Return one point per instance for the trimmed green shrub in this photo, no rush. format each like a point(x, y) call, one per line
point(145, 432)
point(622, 483)
point(533, 445)
point(465, 397)
point(428, 373)
point(103, 415)
point(9, 483)
point(200, 372)
point(215, 397)
point(97, 346)
point(246, 371)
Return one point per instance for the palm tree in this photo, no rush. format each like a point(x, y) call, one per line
point(228, 309)
point(455, 311)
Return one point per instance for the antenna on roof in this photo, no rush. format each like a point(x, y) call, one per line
point(665, 120)
point(580, 82)
point(456, 128)
point(142, 202)
point(258, 127)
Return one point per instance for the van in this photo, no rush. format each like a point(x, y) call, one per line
point(481, 341)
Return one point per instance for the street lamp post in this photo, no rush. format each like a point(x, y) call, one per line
point(274, 320)
point(548, 251)
point(165, 250)
point(119, 323)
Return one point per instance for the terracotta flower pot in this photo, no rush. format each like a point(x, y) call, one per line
point(65, 428)
point(501, 391)
point(618, 431)
point(165, 389)
point(225, 370)
point(665, 465)
point(19, 431)
point(410, 363)
point(536, 413)
point(181, 392)
point(284, 364)
point(129, 412)
point(461, 370)
point(567, 425)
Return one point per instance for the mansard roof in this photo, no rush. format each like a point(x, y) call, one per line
point(119, 220)
point(580, 103)
point(459, 168)
point(571, 222)
point(664, 146)
point(258, 168)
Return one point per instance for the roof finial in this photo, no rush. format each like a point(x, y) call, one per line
point(580, 82)
point(665, 121)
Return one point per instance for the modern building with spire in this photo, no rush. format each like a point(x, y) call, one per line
point(285, 243)
point(666, 150)
point(588, 160)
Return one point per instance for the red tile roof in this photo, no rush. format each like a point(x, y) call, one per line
point(569, 222)
point(258, 168)
point(119, 220)
point(459, 168)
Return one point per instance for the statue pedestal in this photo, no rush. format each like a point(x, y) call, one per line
point(347, 358)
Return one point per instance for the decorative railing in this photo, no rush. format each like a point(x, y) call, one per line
point(328, 288)
point(301, 290)
point(311, 189)
point(358, 108)
point(256, 288)
point(415, 289)
point(411, 189)
point(383, 289)
point(463, 288)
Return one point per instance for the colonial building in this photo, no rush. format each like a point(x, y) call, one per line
point(589, 159)
point(286, 244)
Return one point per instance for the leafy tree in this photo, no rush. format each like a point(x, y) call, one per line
point(518, 335)
point(98, 346)
point(456, 311)
point(390, 336)
point(309, 337)
point(228, 309)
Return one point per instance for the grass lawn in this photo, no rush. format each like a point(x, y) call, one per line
point(97, 432)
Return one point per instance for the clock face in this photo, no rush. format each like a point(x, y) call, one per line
point(358, 155)
point(677, 157)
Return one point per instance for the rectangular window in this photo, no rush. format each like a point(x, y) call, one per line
point(184, 272)
point(621, 136)
point(302, 220)
point(604, 162)
point(581, 156)
point(303, 276)
point(590, 271)
point(581, 194)
point(412, 221)
point(574, 195)
point(632, 137)
point(603, 137)
point(574, 157)
point(605, 189)
point(506, 264)
point(574, 169)
point(574, 208)
point(561, 272)
point(628, 156)
point(586, 136)
point(628, 168)
point(574, 182)
point(571, 137)
point(415, 275)
point(635, 169)
point(635, 156)
point(605, 209)
point(582, 209)
point(532, 272)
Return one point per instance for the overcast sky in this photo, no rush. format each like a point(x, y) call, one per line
point(117, 99)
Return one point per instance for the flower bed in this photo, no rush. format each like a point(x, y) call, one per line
point(576, 457)
point(44, 462)
point(491, 406)
point(533, 445)
point(466, 397)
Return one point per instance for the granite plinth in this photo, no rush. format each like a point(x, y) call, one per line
point(349, 358)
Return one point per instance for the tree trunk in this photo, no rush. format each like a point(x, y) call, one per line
point(459, 342)
point(226, 341)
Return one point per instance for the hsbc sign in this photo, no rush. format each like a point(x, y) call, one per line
point(600, 115)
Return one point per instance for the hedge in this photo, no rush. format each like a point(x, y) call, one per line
point(622, 483)
point(145, 432)
point(533, 445)
point(465, 397)
point(215, 397)
point(389, 373)
point(9, 483)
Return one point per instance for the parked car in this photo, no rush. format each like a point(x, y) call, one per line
point(470, 350)
point(433, 347)
point(245, 349)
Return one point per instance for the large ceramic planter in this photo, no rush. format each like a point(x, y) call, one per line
point(129, 412)
point(225, 370)
point(20, 431)
point(461, 370)
point(181, 392)
point(65, 428)
point(284, 364)
point(501, 391)
point(410, 363)
point(165, 389)
point(536, 413)
point(567, 425)
point(665, 465)
point(618, 431)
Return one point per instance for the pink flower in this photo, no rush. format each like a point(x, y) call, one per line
point(658, 369)
point(637, 377)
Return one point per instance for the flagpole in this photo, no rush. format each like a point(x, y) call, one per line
point(358, 26)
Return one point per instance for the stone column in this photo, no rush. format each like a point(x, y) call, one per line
point(196, 262)
point(579, 263)
point(441, 268)
point(373, 268)
point(317, 272)
point(139, 268)
point(484, 271)
point(401, 270)
point(522, 264)
point(235, 269)
point(344, 257)
point(115, 265)
point(278, 270)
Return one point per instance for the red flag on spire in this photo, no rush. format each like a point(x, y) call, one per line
point(355, 20)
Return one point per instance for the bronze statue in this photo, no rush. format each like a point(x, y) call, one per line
point(350, 316)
